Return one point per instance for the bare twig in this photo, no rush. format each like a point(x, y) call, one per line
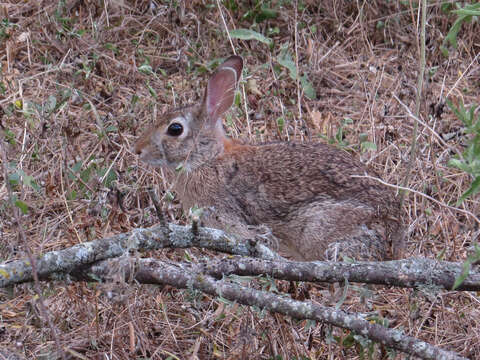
point(158, 207)
point(463, 74)
point(405, 189)
point(418, 120)
point(418, 98)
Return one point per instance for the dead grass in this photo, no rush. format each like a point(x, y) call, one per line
point(82, 79)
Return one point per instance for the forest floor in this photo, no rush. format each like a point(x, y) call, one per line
point(82, 79)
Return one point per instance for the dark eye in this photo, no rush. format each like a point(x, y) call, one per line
point(175, 129)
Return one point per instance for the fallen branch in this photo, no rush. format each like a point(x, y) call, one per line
point(408, 273)
point(151, 271)
point(157, 237)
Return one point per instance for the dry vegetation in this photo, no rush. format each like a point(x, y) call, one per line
point(81, 79)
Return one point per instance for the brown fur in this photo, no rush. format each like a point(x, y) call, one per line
point(305, 193)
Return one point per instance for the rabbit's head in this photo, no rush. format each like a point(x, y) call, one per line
point(193, 135)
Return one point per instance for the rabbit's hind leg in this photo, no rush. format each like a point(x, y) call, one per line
point(328, 229)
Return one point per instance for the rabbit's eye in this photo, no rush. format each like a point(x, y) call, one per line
point(175, 129)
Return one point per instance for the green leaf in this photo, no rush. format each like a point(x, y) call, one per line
point(264, 14)
point(169, 196)
point(109, 178)
point(280, 123)
point(273, 30)
point(111, 128)
point(30, 181)
point(471, 9)
point(22, 206)
point(238, 99)
point(459, 164)
point(50, 104)
point(85, 174)
point(72, 195)
point(348, 341)
point(14, 179)
point(10, 136)
point(152, 91)
point(461, 278)
point(452, 34)
point(247, 34)
point(368, 145)
point(444, 51)
point(77, 166)
point(110, 46)
point(474, 188)
point(146, 69)
point(463, 15)
point(286, 60)
point(308, 88)
point(134, 100)
point(471, 259)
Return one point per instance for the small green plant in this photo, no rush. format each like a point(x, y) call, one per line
point(366, 145)
point(247, 34)
point(4, 32)
point(464, 15)
point(285, 59)
point(10, 136)
point(88, 66)
point(467, 265)
point(339, 139)
point(17, 177)
point(82, 174)
point(260, 12)
point(470, 160)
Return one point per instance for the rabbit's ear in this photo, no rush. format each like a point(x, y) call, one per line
point(221, 87)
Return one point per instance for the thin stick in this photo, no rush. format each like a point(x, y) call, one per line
point(299, 96)
point(405, 189)
point(464, 73)
point(434, 133)
point(418, 98)
point(69, 212)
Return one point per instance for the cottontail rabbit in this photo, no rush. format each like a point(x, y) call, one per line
point(305, 193)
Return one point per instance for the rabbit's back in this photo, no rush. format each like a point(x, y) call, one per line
point(310, 195)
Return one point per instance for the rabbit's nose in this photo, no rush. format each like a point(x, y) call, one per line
point(138, 147)
point(137, 150)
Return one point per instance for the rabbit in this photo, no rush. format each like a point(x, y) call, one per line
point(311, 196)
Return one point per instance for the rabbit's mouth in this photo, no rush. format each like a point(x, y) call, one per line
point(154, 162)
point(154, 157)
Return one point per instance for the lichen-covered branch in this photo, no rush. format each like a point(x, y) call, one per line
point(153, 271)
point(157, 237)
point(407, 273)
point(401, 273)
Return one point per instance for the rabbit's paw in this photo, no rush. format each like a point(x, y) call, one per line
point(369, 246)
